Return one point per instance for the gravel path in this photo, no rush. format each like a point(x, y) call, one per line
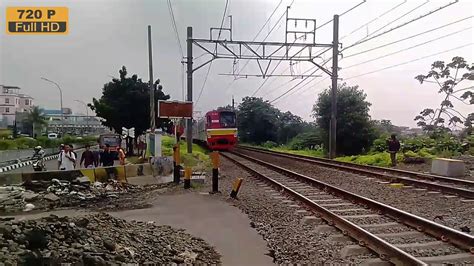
point(99, 239)
point(448, 211)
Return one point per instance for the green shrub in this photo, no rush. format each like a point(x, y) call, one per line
point(8, 145)
point(26, 143)
point(377, 159)
point(379, 145)
point(305, 140)
point(269, 144)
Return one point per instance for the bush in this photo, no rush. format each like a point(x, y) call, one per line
point(377, 159)
point(379, 145)
point(305, 140)
point(269, 144)
point(26, 143)
point(8, 145)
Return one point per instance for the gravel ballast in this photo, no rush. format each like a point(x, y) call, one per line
point(99, 239)
point(451, 212)
point(289, 240)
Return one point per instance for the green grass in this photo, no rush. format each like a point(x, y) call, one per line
point(199, 160)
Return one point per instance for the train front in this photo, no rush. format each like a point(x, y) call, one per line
point(221, 129)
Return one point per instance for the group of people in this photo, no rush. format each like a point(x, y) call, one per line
point(89, 159)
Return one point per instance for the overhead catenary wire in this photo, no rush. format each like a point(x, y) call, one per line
point(210, 64)
point(256, 36)
point(407, 38)
point(374, 19)
point(408, 48)
point(400, 26)
point(343, 13)
point(397, 19)
point(175, 28)
point(410, 61)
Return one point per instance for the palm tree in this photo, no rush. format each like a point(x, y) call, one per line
point(36, 118)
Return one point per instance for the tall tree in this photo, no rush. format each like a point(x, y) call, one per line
point(36, 118)
point(125, 103)
point(257, 120)
point(355, 132)
point(447, 77)
point(289, 125)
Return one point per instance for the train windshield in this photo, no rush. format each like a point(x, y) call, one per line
point(227, 119)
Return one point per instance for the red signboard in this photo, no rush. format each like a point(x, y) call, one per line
point(175, 109)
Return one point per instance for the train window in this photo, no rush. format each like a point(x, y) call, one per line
point(227, 119)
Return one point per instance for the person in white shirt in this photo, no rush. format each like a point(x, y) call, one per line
point(67, 159)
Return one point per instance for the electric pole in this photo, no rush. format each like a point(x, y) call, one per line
point(335, 52)
point(152, 89)
point(189, 121)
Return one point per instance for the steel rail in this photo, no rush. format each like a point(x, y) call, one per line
point(385, 250)
point(446, 234)
point(378, 168)
point(466, 193)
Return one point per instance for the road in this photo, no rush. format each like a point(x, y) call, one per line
point(50, 165)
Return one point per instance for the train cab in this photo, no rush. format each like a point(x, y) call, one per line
point(221, 129)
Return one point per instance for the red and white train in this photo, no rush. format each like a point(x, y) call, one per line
point(218, 129)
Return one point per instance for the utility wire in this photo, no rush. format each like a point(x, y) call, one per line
point(292, 88)
point(407, 38)
point(410, 61)
point(173, 22)
point(408, 48)
point(397, 19)
point(399, 26)
point(347, 11)
point(374, 19)
point(258, 33)
point(210, 64)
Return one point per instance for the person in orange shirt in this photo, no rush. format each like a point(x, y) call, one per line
point(121, 156)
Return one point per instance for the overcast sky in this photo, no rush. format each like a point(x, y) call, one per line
point(106, 34)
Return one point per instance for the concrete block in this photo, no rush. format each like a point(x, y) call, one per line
point(339, 238)
point(301, 212)
point(311, 220)
point(324, 228)
point(354, 250)
point(447, 167)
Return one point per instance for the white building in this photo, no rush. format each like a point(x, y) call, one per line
point(12, 101)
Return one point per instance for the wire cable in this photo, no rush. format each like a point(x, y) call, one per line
point(408, 48)
point(407, 38)
point(410, 61)
point(400, 26)
point(343, 13)
point(210, 64)
point(173, 23)
point(374, 19)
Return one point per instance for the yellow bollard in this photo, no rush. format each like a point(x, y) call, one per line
point(187, 177)
point(215, 171)
point(176, 163)
point(236, 187)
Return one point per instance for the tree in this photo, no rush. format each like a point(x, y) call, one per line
point(289, 125)
point(125, 102)
point(257, 120)
point(36, 118)
point(447, 77)
point(355, 132)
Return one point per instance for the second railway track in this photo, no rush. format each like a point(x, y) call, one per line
point(412, 240)
point(453, 186)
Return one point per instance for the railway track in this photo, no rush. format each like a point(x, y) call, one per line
point(447, 185)
point(411, 240)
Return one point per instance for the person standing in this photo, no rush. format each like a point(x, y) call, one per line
point(67, 159)
point(87, 158)
point(107, 157)
point(121, 156)
point(393, 147)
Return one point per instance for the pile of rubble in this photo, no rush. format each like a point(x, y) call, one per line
point(62, 193)
point(99, 239)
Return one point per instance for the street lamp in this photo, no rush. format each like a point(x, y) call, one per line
point(60, 96)
point(87, 112)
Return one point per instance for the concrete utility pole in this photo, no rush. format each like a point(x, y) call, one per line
point(335, 53)
point(189, 121)
point(152, 89)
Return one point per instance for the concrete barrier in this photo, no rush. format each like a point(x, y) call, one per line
point(447, 167)
point(101, 174)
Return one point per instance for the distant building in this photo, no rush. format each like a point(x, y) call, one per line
point(72, 124)
point(11, 103)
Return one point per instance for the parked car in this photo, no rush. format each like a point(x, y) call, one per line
point(52, 135)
